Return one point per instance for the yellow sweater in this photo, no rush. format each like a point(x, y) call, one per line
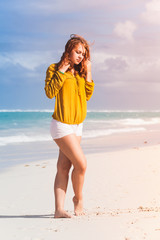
point(71, 94)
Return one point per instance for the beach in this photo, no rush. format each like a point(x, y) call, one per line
point(121, 193)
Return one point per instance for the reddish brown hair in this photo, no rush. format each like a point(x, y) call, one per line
point(70, 45)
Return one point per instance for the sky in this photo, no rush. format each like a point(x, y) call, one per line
point(124, 39)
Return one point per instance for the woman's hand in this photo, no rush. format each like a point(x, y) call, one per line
point(88, 65)
point(64, 67)
point(88, 69)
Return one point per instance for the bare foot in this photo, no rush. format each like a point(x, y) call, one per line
point(78, 207)
point(61, 214)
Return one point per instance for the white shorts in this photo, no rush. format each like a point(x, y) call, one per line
point(59, 129)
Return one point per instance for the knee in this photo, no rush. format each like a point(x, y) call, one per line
point(64, 169)
point(81, 167)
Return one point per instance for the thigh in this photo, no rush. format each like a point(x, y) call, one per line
point(70, 146)
point(63, 162)
point(79, 139)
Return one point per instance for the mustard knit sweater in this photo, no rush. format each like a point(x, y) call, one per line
point(70, 92)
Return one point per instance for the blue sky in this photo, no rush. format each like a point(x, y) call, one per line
point(125, 54)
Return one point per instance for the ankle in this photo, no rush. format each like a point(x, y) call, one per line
point(76, 199)
point(59, 209)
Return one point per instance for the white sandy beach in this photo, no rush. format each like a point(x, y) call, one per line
point(121, 198)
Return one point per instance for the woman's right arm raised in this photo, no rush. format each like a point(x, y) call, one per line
point(54, 80)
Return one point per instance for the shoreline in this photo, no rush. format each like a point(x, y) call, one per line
point(14, 154)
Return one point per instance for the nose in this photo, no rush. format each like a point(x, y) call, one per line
point(81, 56)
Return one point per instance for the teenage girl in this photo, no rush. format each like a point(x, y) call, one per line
point(70, 82)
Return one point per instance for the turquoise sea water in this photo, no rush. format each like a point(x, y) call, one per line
point(19, 126)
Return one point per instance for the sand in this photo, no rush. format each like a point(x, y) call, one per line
point(121, 197)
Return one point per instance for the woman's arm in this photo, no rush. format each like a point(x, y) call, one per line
point(54, 80)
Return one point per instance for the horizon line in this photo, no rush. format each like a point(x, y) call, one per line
point(89, 110)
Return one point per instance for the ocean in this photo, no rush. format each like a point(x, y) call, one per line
point(24, 126)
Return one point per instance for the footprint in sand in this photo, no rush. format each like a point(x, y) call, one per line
point(137, 148)
point(38, 165)
point(51, 229)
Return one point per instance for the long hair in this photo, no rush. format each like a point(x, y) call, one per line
point(70, 45)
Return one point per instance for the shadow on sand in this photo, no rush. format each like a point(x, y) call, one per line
point(28, 216)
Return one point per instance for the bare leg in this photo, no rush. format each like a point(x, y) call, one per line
point(70, 146)
point(60, 185)
point(78, 203)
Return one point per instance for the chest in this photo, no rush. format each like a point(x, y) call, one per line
point(74, 82)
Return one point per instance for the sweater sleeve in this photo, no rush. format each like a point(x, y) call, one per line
point(89, 86)
point(53, 82)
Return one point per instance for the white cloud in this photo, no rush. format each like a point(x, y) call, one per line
point(152, 12)
point(125, 30)
point(109, 62)
point(28, 60)
point(126, 68)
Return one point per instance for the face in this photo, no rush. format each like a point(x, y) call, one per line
point(77, 54)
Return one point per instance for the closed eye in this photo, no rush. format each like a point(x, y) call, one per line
point(79, 52)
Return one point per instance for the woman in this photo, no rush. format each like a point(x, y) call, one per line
point(70, 82)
